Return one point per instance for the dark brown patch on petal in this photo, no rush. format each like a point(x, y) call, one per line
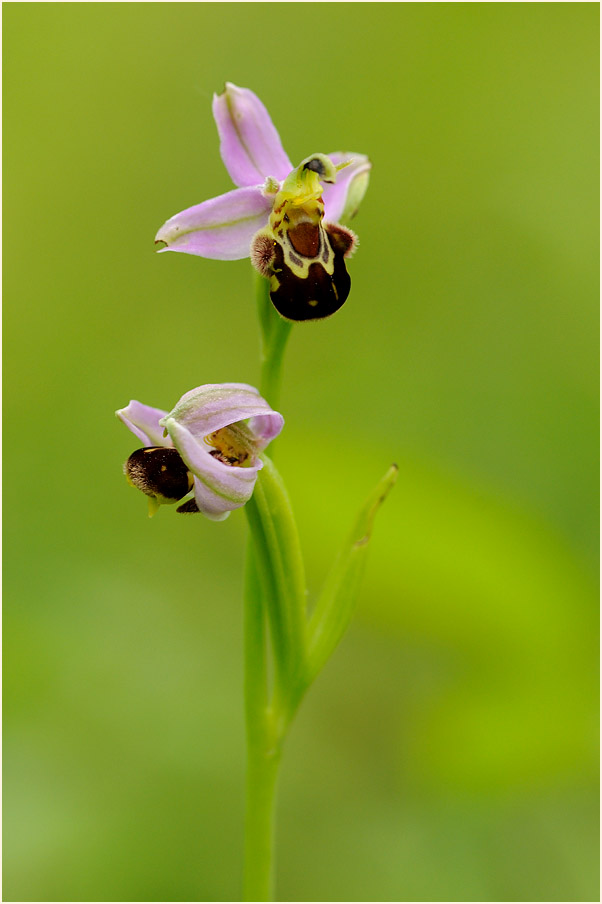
point(305, 239)
point(343, 240)
point(158, 471)
point(312, 297)
point(188, 508)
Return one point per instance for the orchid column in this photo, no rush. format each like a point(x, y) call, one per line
point(208, 453)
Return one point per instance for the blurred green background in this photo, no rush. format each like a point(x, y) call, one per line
point(449, 750)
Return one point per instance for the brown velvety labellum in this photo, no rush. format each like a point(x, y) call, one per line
point(312, 297)
point(158, 471)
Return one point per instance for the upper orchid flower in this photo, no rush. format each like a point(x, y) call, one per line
point(209, 444)
point(285, 219)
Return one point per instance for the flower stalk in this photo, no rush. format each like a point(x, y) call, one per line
point(260, 605)
point(262, 768)
point(274, 334)
point(275, 599)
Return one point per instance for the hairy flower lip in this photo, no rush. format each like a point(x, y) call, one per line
point(218, 486)
point(254, 157)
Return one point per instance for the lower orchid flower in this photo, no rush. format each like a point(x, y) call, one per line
point(207, 446)
point(285, 219)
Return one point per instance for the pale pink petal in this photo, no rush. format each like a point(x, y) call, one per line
point(143, 421)
point(220, 228)
point(266, 428)
point(215, 405)
point(219, 487)
point(249, 144)
point(342, 199)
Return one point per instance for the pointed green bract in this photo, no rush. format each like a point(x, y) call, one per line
point(336, 603)
point(302, 646)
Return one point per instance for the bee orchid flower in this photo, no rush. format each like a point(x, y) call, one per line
point(285, 219)
point(206, 449)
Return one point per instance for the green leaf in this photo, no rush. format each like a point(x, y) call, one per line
point(281, 572)
point(335, 605)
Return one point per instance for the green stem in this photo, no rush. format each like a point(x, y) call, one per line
point(262, 601)
point(275, 592)
point(275, 596)
point(274, 336)
point(262, 775)
point(262, 765)
point(256, 687)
